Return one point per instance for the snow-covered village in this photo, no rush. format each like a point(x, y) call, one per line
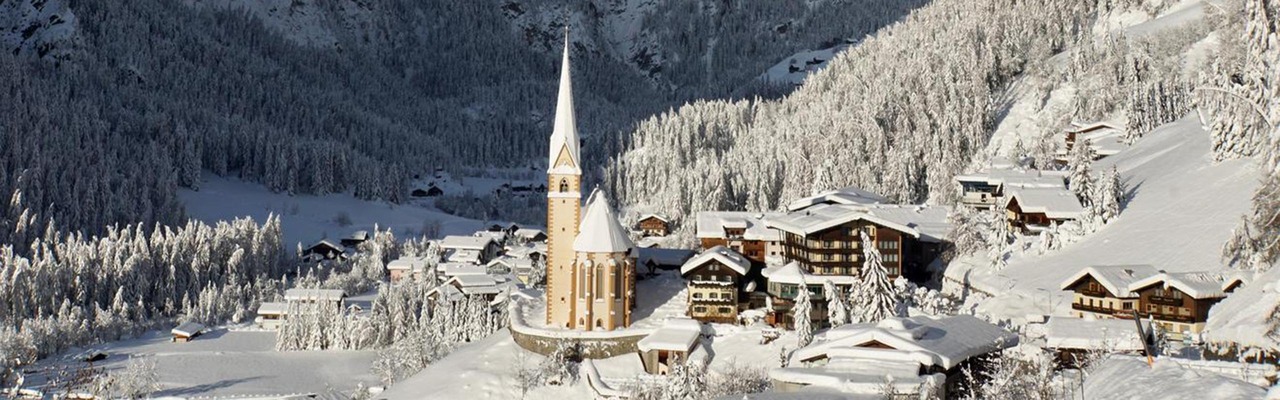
point(640, 199)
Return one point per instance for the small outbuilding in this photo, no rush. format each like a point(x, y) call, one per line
point(671, 344)
point(187, 331)
point(271, 315)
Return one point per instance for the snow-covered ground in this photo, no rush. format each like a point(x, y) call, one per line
point(1183, 207)
point(1124, 377)
point(794, 69)
point(307, 218)
point(226, 363)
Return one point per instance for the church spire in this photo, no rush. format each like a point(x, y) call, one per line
point(564, 135)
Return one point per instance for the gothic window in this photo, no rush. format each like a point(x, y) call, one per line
point(617, 280)
point(564, 185)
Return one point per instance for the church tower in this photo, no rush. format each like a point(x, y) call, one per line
point(564, 203)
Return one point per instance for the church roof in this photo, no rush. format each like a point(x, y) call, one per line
point(600, 231)
point(564, 135)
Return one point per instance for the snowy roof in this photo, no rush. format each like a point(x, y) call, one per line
point(299, 294)
point(407, 263)
point(326, 243)
point(600, 231)
point(359, 235)
point(466, 242)
point(1093, 334)
point(1200, 285)
point(922, 222)
point(467, 256)
point(564, 134)
point(458, 269)
point(497, 236)
point(792, 273)
point(472, 280)
point(1245, 318)
point(188, 329)
point(526, 250)
point(272, 308)
point(1055, 203)
point(678, 334)
point(528, 233)
point(721, 254)
point(1087, 127)
point(711, 224)
point(1017, 178)
point(653, 216)
point(510, 262)
point(848, 195)
point(943, 342)
point(1115, 278)
point(672, 257)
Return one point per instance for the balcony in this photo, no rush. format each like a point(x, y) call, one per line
point(1103, 310)
point(1168, 301)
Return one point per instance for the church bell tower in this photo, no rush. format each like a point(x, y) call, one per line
point(564, 203)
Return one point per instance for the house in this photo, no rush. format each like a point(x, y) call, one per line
point(469, 249)
point(499, 236)
point(786, 281)
point(187, 331)
point(509, 265)
point(355, 239)
point(716, 281)
point(322, 250)
point(825, 239)
point(318, 297)
point(743, 232)
point(447, 270)
point(271, 315)
point(675, 342)
point(1074, 338)
point(1238, 327)
point(654, 259)
point(529, 235)
point(1105, 139)
point(654, 225)
point(1180, 302)
point(1033, 210)
point(405, 267)
point(1103, 290)
point(848, 195)
point(457, 288)
point(907, 353)
point(986, 189)
point(533, 251)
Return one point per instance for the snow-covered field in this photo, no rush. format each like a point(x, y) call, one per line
point(307, 218)
point(1183, 207)
point(226, 363)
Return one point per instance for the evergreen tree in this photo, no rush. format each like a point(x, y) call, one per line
point(1080, 163)
point(837, 312)
point(881, 300)
point(801, 315)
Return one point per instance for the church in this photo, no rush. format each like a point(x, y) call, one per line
point(590, 257)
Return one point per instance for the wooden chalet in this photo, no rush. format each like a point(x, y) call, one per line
point(825, 239)
point(322, 250)
point(1033, 210)
point(654, 225)
point(1103, 290)
point(1180, 302)
point(187, 331)
point(743, 232)
point(717, 284)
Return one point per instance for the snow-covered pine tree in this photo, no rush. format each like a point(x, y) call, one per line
point(1109, 196)
point(968, 232)
point(801, 315)
point(999, 236)
point(881, 301)
point(1080, 165)
point(837, 311)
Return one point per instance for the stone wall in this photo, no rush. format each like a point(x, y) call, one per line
point(592, 347)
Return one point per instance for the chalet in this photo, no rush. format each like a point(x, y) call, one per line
point(271, 315)
point(785, 282)
point(654, 225)
point(742, 232)
point(1103, 291)
point(1074, 338)
point(848, 195)
point(458, 288)
point(322, 250)
point(716, 280)
point(825, 239)
point(533, 250)
point(675, 342)
point(509, 265)
point(985, 189)
point(318, 297)
point(469, 249)
point(1105, 139)
point(907, 353)
point(529, 235)
point(355, 239)
point(405, 267)
point(1180, 302)
point(187, 331)
point(1033, 210)
point(654, 258)
point(447, 270)
point(1236, 329)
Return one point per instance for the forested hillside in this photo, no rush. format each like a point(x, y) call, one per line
point(121, 103)
point(899, 114)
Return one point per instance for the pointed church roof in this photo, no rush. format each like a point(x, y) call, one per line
point(600, 231)
point(564, 135)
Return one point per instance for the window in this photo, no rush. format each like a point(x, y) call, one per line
point(1151, 308)
point(724, 310)
point(618, 277)
point(700, 309)
point(1183, 311)
point(1175, 294)
point(891, 257)
point(713, 295)
point(827, 257)
point(697, 277)
point(893, 271)
point(1128, 305)
point(564, 185)
point(715, 267)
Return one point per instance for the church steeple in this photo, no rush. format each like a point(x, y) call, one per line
point(563, 157)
